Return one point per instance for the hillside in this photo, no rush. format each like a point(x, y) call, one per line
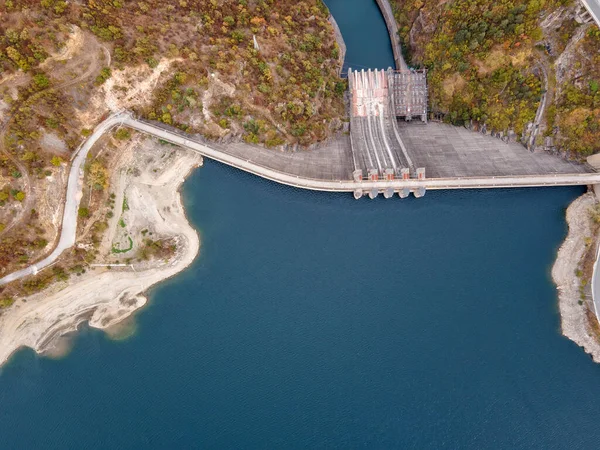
point(263, 71)
point(491, 63)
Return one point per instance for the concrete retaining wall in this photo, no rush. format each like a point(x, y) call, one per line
point(392, 26)
point(180, 138)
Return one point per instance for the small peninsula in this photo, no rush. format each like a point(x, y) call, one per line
point(148, 226)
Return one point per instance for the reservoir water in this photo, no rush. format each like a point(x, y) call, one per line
point(365, 34)
point(312, 320)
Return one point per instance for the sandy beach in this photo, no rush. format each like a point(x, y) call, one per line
point(574, 318)
point(149, 176)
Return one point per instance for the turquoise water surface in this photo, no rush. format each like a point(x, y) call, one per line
point(312, 320)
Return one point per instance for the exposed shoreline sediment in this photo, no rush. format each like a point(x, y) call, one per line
point(575, 324)
point(105, 297)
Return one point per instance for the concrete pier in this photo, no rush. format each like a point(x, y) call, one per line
point(403, 193)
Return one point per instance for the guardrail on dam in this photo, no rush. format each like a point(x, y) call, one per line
point(401, 186)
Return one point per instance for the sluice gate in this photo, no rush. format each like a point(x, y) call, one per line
point(378, 99)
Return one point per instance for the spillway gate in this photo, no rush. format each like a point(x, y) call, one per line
point(378, 99)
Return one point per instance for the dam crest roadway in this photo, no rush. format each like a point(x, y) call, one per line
point(459, 158)
point(454, 158)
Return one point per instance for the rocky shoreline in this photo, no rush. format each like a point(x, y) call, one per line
point(390, 21)
point(577, 323)
point(339, 39)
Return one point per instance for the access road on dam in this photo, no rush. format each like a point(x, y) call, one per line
point(350, 185)
point(221, 154)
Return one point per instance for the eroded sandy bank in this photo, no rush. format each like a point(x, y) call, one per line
point(149, 177)
point(575, 322)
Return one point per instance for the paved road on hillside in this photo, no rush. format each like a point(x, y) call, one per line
point(73, 198)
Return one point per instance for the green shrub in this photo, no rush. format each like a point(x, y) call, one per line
point(122, 134)
point(5, 302)
point(104, 75)
point(41, 81)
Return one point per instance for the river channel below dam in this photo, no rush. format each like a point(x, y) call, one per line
point(311, 320)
